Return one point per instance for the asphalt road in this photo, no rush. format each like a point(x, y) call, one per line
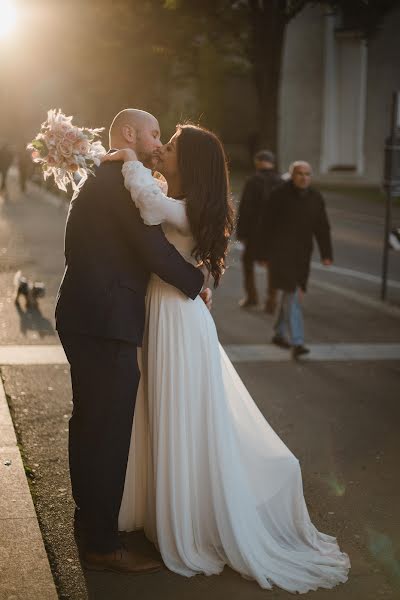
point(339, 417)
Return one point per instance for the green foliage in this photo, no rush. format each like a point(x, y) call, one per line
point(41, 147)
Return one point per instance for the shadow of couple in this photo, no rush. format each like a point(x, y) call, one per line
point(31, 319)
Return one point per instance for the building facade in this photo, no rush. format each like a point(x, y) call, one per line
point(336, 96)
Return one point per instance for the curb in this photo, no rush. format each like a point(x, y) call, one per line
point(32, 355)
point(24, 566)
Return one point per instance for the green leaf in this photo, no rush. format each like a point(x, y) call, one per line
point(41, 147)
point(37, 144)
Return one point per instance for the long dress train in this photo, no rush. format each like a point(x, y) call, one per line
point(208, 479)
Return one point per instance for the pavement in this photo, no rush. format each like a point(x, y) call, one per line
point(24, 567)
point(338, 411)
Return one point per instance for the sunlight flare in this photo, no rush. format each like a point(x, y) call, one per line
point(8, 17)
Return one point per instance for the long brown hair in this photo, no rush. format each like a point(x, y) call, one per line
point(204, 173)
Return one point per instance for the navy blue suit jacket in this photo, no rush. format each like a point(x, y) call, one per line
point(109, 255)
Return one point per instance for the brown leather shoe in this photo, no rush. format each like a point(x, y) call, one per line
point(121, 561)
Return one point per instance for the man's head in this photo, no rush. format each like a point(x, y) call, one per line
point(138, 130)
point(301, 174)
point(264, 159)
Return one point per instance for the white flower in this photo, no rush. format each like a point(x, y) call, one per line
point(64, 149)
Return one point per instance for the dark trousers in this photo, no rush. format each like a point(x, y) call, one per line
point(105, 377)
point(249, 280)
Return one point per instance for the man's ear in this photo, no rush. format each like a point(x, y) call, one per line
point(129, 133)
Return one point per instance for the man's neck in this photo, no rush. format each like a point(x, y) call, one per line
point(300, 190)
point(116, 144)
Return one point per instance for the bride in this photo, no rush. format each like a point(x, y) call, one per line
point(208, 479)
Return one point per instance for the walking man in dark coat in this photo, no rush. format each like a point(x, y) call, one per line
point(295, 217)
point(253, 203)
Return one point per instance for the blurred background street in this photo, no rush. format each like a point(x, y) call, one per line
point(338, 414)
point(304, 81)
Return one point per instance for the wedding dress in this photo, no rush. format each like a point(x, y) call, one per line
point(208, 479)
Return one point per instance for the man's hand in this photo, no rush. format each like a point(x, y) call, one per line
point(206, 296)
point(124, 154)
point(327, 262)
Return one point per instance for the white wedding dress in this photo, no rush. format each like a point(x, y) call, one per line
point(208, 479)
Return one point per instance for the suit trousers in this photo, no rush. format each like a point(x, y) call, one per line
point(249, 281)
point(105, 378)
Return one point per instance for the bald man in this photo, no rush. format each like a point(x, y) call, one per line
point(136, 129)
point(109, 255)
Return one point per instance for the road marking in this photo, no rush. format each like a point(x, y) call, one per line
point(238, 247)
point(54, 354)
point(354, 274)
point(388, 309)
point(363, 299)
point(319, 352)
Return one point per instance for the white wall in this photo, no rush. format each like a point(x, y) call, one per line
point(302, 89)
point(303, 104)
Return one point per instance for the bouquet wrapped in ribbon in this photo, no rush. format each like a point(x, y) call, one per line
point(66, 152)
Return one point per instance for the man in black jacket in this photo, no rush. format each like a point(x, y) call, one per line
point(100, 313)
point(296, 216)
point(253, 203)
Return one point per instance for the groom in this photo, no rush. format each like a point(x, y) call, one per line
point(109, 254)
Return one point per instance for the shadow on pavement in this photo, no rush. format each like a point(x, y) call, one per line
point(168, 585)
point(31, 319)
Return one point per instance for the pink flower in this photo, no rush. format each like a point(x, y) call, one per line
point(65, 148)
point(81, 147)
point(51, 160)
point(73, 166)
point(72, 136)
point(50, 138)
point(59, 129)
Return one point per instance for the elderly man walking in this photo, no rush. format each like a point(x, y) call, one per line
point(253, 204)
point(296, 215)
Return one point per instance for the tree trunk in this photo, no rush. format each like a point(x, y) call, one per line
point(268, 22)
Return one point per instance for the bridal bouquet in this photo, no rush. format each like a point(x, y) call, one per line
point(65, 151)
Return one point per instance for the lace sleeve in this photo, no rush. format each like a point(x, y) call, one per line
point(154, 206)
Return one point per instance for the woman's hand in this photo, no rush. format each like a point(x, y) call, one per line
point(125, 154)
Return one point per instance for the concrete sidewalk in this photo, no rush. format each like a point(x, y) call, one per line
point(25, 571)
point(24, 567)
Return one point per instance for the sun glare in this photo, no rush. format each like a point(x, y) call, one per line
point(8, 17)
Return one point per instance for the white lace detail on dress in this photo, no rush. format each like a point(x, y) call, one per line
point(148, 194)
